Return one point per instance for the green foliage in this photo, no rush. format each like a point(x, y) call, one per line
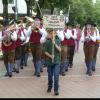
point(81, 10)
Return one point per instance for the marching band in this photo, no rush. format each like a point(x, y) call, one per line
point(58, 47)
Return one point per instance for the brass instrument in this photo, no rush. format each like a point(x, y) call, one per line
point(29, 19)
point(7, 39)
point(12, 26)
point(7, 42)
point(7, 33)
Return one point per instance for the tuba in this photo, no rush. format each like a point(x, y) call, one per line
point(7, 38)
point(29, 20)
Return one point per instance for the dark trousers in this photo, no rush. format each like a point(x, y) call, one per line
point(18, 55)
point(71, 50)
point(24, 55)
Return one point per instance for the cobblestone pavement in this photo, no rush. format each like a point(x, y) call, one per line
point(76, 84)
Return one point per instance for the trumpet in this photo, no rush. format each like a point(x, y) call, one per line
point(29, 19)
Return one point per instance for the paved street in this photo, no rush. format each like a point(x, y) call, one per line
point(76, 84)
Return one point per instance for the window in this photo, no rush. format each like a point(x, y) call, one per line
point(10, 1)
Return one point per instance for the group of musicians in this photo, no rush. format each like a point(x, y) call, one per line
point(55, 47)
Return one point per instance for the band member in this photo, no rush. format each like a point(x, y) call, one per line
point(26, 44)
point(94, 29)
point(42, 41)
point(25, 54)
point(24, 48)
point(64, 50)
point(89, 38)
point(53, 60)
point(8, 48)
point(72, 35)
point(78, 30)
point(18, 52)
point(36, 37)
point(36, 47)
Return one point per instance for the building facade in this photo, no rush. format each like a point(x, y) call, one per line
point(21, 5)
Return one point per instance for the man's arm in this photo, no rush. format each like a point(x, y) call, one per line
point(56, 46)
point(49, 55)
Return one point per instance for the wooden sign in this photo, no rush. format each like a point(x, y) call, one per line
point(54, 21)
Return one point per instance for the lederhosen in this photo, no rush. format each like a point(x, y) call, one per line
point(8, 52)
point(64, 50)
point(89, 47)
point(9, 55)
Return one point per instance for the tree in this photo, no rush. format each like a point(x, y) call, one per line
point(5, 8)
point(81, 10)
point(39, 5)
point(29, 6)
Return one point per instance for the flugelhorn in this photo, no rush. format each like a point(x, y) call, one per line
point(29, 19)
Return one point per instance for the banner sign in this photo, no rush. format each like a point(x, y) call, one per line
point(54, 21)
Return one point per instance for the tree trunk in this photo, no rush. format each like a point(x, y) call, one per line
point(41, 3)
point(5, 8)
point(28, 10)
point(52, 9)
point(28, 3)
